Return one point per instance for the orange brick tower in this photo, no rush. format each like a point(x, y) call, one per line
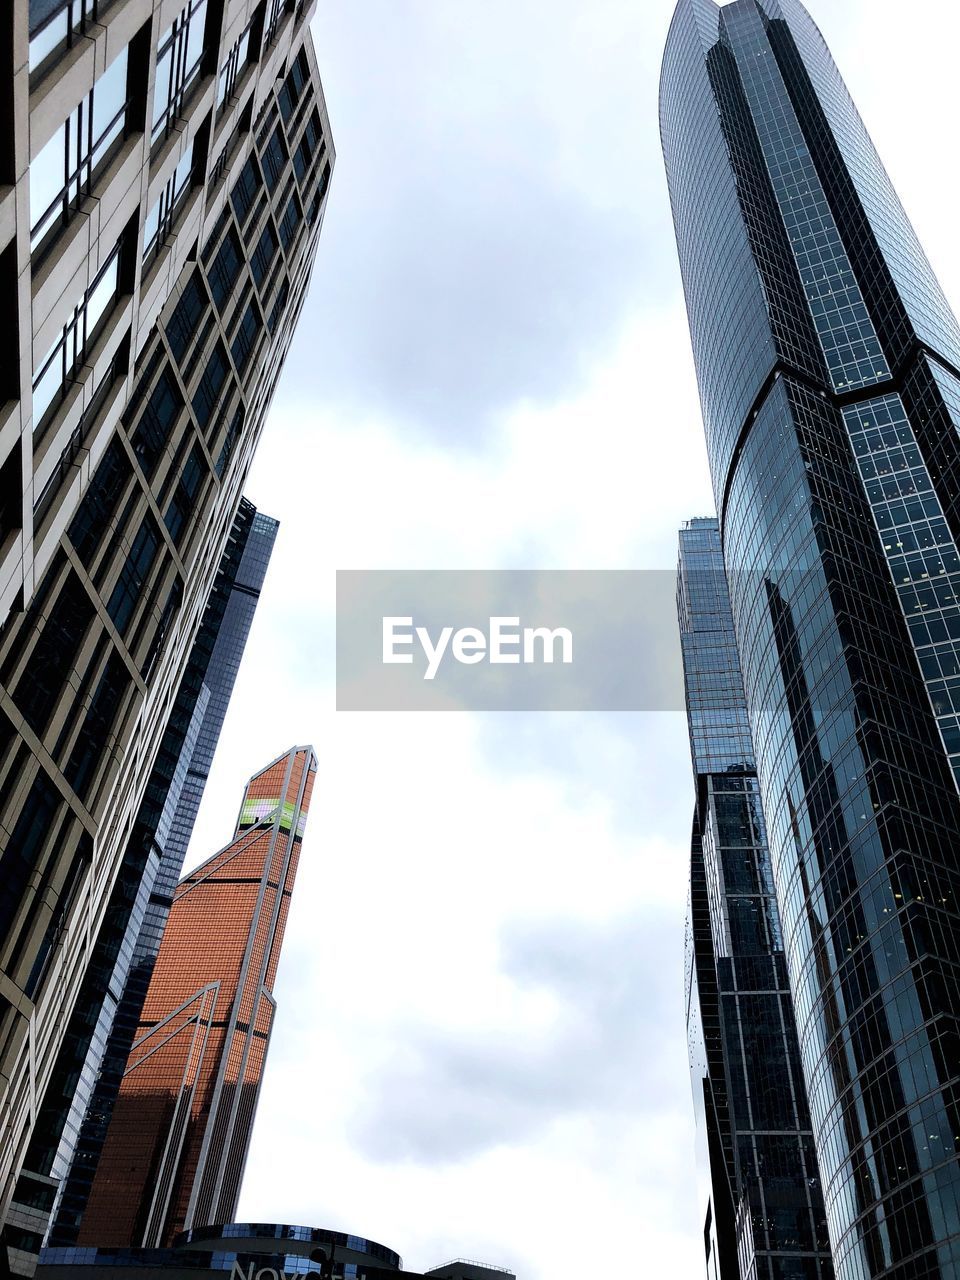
point(177, 1143)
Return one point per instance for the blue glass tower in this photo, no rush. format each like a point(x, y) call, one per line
point(764, 1217)
point(829, 370)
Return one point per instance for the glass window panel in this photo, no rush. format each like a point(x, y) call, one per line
point(47, 177)
point(151, 224)
point(48, 381)
point(45, 41)
point(195, 32)
point(103, 294)
point(109, 94)
point(225, 268)
point(180, 52)
point(181, 175)
point(161, 88)
point(65, 169)
point(69, 346)
point(105, 144)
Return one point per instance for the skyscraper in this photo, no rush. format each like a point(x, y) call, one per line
point(829, 370)
point(175, 1149)
point(255, 534)
point(162, 831)
point(759, 1183)
point(168, 168)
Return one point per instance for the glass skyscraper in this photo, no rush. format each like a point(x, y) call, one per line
point(759, 1184)
point(829, 370)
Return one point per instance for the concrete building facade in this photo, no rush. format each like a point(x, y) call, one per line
point(151, 869)
point(164, 167)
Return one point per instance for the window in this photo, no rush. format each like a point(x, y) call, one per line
point(92, 738)
point(274, 157)
point(230, 71)
point(78, 437)
point(320, 192)
point(246, 337)
point(277, 9)
point(230, 441)
point(264, 254)
point(156, 422)
point(225, 269)
point(100, 501)
point(28, 1192)
point(184, 495)
point(179, 55)
point(54, 23)
point(11, 494)
point(160, 219)
point(211, 384)
point(278, 307)
point(68, 166)
point(289, 223)
point(79, 333)
point(183, 324)
point(55, 652)
point(134, 574)
point(248, 186)
point(293, 86)
point(213, 239)
point(312, 135)
point(172, 604)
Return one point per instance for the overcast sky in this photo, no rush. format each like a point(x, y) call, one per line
point(479, 1049)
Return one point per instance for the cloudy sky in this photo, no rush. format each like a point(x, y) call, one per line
point(480, 1046)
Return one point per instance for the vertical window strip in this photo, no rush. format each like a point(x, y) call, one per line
point(66, 169)
point(277, 10)
point(159, 221)
point(78, 334)
point(230, 71)
point(179, 55)
point(922, 556)
point(62, 27)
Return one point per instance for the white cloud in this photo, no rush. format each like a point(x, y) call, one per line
point(435, 839)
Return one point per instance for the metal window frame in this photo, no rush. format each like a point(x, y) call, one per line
point(76, 337)
point(81, 174)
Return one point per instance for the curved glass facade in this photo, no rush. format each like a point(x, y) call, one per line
point(828, 362)
point(764, 1215)
point(257, 1251)
point(259, 1235)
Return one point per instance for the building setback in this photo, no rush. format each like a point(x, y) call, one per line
point(167, 168)
point(162, 832)
point(464, 1269)
point(829, 368)
point(175, 1149)
point(759, 1183)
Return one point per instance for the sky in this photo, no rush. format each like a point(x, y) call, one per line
point(480, 1045)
